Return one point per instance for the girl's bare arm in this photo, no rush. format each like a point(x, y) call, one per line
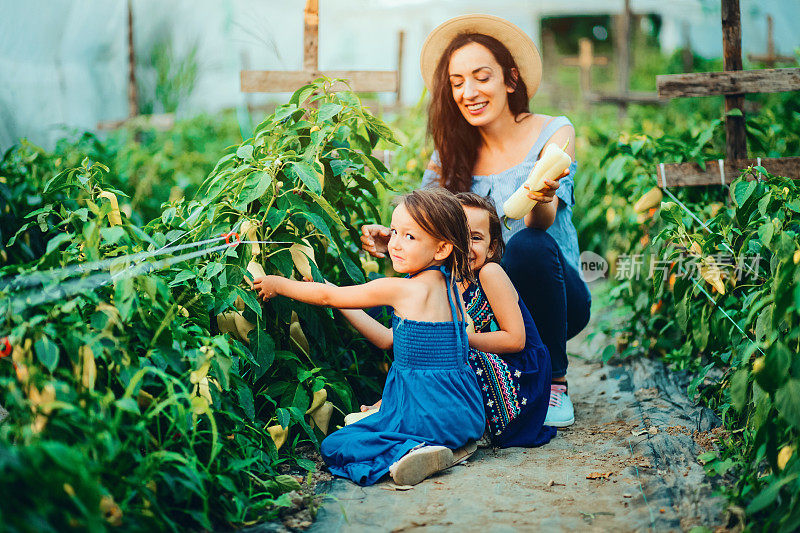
point(383, 291)
point(503, 298)
point(371, 329)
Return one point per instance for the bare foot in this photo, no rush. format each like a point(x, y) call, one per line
point(376, 405)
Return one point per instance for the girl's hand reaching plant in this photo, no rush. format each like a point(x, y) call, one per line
point(266, 287)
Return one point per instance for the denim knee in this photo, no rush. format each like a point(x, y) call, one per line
point(530, 250)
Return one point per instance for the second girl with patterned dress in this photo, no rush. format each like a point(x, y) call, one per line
point(506, 353)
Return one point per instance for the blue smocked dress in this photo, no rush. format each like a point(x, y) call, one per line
point(515, 387)
point(431, 397)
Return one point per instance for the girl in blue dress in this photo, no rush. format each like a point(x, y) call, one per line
point(431, 401)
point(506, 353)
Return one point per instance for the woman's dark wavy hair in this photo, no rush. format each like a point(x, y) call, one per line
point(453, 137)
point(496, 245)
point(439, 213)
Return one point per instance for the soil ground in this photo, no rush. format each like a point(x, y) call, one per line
point(629, 463)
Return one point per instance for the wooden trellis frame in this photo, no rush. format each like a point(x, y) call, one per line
point(771, 57)
point(733, 83)
point(163, 121)
point(277, 81)
point(586, 59)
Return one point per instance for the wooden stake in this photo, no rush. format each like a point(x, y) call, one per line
point(133, 99)
point(622, 43)
point(687, 54)
point(735, 133)
point(401, 37)
point(311, 35)
point(771, 57)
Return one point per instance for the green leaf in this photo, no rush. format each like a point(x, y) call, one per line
point(265, 351)
point(614, 171)
point(306, 464)
point(352, 270)
point(671, 212)
point(246, 400)
point(183, 275)
point(112, 235)
point(283, 417)
point(776, 367)
point(735, 112)
point(287, 483)
point(765, 233)
point(214, 268)
point(328, 111)
point(47, 352)
point(128, 404)
point(249, 300)
point(787, 400)
point(301, 400)
point(60, 239)
point(683, 312)
point(768, 495)
point(379, 127)
point(302, 94)
point(245, 152)
point(739, 388)
point(742, 191)
point(303, 171)
point(255, 186)
point(764, 323)
point(328, 208)
point(204, 286)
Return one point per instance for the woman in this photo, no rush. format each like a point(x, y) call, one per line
point(481, 71)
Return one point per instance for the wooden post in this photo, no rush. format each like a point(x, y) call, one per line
point(311, 35)
point(622, 43)
point(133, 99)
point(401, 37)
point(735, 133)
point(771, 58)
point(687, 54)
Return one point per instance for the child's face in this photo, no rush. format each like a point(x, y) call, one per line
point(410, 247)
point(479, 237)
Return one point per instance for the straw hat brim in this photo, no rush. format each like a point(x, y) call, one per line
point(521, 46)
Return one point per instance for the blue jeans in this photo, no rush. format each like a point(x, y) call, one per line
point(552, 290)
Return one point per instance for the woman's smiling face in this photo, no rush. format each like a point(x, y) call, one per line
point(476, 79)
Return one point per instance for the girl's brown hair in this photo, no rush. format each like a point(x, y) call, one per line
point(496, 245)
point(439, 214)
point(455, 139)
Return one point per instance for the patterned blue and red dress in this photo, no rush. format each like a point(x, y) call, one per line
point(515, 387)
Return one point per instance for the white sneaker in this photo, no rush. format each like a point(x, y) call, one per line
point(420, 463)
point(560, 412)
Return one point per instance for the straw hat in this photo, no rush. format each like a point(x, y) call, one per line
point(522, 49)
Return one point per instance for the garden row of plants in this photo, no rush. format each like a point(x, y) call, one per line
point(128, 404)
point(717, 293)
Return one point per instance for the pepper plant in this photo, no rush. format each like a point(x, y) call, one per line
point(121, 388)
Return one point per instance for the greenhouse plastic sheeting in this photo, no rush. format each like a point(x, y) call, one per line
point(64, 63)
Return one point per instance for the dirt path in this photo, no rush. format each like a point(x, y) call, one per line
point(627, 464)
